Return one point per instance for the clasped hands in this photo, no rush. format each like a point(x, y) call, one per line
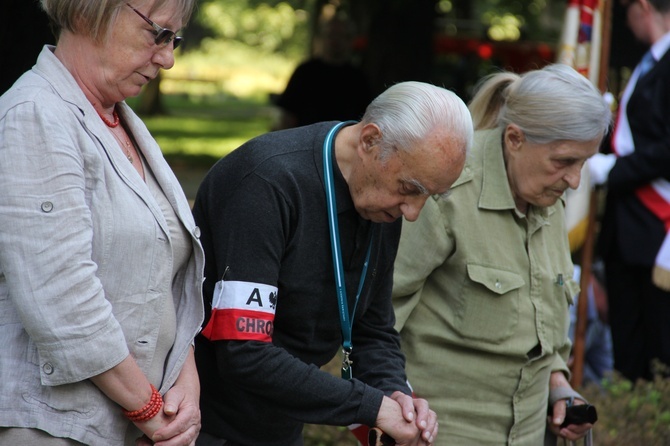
point(178, 423)
point(408, 420)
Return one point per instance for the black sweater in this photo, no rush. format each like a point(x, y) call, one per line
point(262, 212)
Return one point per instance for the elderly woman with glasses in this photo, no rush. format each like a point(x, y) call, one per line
point(100, 262)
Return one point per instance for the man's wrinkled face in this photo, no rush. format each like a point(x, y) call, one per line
point(386, 188)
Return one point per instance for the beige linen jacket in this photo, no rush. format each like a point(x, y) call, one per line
point(83, 249)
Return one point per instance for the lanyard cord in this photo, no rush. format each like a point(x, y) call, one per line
point(345, 320)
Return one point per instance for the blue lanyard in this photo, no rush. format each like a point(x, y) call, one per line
point(345, 320)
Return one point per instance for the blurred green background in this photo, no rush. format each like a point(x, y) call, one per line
point(238, 53)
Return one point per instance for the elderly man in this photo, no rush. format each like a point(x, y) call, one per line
point(300, 229)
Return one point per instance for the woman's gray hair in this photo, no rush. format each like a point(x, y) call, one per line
point(408, 111)
point(94, 18)
point(555, 103)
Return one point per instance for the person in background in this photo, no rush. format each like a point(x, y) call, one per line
point(633, 240)
point(300, 228)
point(598, 358)
point(483, 279)
point(100, 263)
point(327, 86)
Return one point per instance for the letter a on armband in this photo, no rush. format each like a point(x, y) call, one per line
point(242, 311)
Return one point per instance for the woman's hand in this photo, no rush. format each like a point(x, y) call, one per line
point(150, 427)
point(178, 423)
point(572, 432)
point(181, 408)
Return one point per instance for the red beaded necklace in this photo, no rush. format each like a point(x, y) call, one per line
point(107, 121)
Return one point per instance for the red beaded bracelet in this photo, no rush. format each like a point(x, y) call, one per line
point(149, 411)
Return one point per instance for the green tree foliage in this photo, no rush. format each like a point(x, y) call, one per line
point(240, 46)
point(268, 26)
point(511, 20)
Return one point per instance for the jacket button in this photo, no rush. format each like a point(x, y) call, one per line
point(47, 206)
point(48, 368)
point(196, 232)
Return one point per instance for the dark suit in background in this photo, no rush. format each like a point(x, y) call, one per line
point(631, 233)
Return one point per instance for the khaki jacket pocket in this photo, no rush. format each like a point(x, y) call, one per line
point(490, 303)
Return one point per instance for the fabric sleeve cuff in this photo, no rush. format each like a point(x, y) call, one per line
point(370, 405)
point(563, 393)
point(78, 360)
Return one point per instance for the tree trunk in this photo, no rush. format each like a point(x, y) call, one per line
point(399, 40)
point(151, 101)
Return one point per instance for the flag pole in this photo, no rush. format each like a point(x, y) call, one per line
point(578, 351)
point(605, 45)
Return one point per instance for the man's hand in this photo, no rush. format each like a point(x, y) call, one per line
point(417, 409)
point(408, 420)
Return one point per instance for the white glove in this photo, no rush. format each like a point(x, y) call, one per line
point(600, 165)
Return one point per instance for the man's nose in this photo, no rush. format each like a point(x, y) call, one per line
point(412, 207)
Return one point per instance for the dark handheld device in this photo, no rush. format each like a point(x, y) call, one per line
point(580, 414)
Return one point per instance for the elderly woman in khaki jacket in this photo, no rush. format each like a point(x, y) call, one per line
point(483, 278)
point(100, 262)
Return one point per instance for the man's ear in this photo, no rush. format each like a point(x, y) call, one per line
point(371, 134)
point(514, 137)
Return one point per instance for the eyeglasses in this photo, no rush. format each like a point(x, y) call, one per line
point(163, 35)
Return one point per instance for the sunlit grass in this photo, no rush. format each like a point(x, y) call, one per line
point(217, 98)
point(230, 68)
point(199, 130)
point(198, 135)
point(201, 126)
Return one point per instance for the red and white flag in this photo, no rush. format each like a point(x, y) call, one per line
point(580, 48)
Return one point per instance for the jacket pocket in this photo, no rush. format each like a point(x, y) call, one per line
point(490, 304)
point(81, 400)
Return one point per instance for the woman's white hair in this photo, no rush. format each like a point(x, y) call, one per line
point(555, 103)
